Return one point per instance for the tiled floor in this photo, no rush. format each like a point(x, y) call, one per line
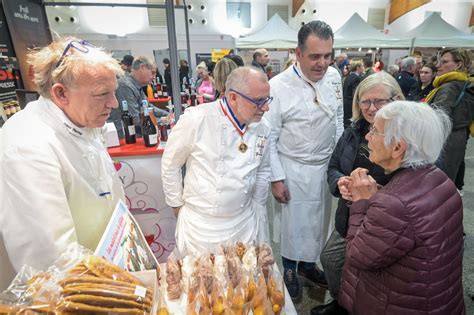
point(312, 295)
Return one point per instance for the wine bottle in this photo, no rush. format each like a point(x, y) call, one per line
point(164, 89)
point(193, 98)
point(150, 136)
point(153, 87)
point(158, 87)
point(163, 132)
point(127, 124)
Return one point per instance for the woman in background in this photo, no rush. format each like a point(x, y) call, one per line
point(420, 90)
point(183, 72)
point(222, 70)
point(205, 86)
point(454, 93)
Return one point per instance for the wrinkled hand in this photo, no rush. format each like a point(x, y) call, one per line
point(176, 210)
point(280, 192)
point(345, 187)
point(363, 185)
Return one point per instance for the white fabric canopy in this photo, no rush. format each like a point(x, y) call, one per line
point(275, 34)
point(436, 32)
point(357, 33)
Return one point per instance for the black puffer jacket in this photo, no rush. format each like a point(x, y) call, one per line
point(342, 163)
point(418, 94)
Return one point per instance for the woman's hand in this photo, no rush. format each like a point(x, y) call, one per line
point(345, 187)
point(363, 185)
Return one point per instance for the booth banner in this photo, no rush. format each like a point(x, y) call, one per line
point(206, 57)
point(7, 77)
point(6, 48)
point(218, 54)
point(141, 180)
point(28, 26)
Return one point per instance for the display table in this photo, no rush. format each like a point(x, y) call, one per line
point(139, 169)
point(161, 102)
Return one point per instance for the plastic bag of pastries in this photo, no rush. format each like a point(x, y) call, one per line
point(79, 283)
point(276, 291)
point(95, 285)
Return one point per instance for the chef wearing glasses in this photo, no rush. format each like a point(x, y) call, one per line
point(223, 146)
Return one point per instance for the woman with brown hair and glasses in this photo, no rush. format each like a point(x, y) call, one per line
point(351, 152)
point(454, 93)
point(424, 86)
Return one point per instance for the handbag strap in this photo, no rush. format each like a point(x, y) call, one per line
point(461, 95)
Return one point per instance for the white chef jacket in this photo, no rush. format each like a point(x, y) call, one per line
point(302, 140)
point(225, 191)
point(58, 186)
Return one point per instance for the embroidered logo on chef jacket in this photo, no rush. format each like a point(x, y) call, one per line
point(337, 89)
point(260, 146)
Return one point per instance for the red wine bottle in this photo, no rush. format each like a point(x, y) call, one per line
point(127, 124)
point(150, 136)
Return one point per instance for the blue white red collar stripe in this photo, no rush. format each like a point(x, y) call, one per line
point(241, 128)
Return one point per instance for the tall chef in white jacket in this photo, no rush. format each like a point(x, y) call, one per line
point(307, 119)
point(224, 146)
point(58, 183)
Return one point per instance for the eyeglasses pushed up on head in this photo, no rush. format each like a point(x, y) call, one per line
point(259, 103)
point(82, 46)
point(378, 103)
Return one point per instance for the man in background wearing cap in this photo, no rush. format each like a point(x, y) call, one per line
point(126, 63)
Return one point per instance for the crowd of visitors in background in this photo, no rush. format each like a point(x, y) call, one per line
point(389, 142)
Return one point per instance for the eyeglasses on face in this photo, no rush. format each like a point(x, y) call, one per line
point(374, 131)
point(445, 61)
point(82, 46)
point(259, 103)
point(378, 103)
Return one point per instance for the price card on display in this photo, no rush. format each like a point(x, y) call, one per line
point(123, 242)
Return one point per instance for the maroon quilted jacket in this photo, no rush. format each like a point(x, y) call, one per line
point(404, 250)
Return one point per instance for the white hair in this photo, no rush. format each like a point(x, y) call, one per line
point(423, 128)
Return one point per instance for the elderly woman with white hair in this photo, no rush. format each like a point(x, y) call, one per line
point(404, 242)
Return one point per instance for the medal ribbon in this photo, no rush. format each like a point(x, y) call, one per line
point(241, 129)
point(317, 99)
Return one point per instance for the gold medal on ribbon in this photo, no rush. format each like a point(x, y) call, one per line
point(243, 147)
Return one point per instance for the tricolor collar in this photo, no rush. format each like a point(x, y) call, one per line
point(233, 119)
point(300, 74)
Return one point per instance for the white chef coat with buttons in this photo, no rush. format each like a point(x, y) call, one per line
point(225, 190)
point(58, 185)
point(304, 134)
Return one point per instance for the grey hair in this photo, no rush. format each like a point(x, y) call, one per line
point(319, 28)
point(142, 60)
point(423, 128)
point(408, 62)
point(393, 69)
point(374, 80)
point(239, 77)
